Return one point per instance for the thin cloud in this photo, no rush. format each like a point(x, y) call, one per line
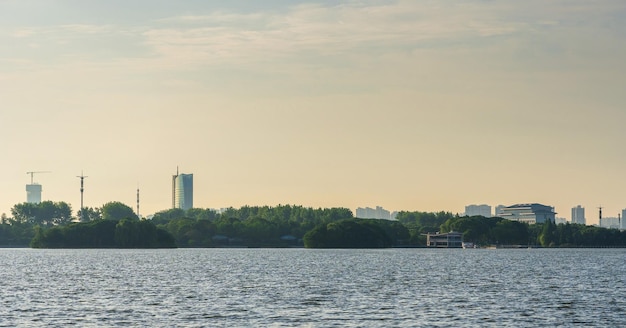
point(319, 30)
point(354, 29)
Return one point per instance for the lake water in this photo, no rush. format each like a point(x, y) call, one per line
point(313, 288)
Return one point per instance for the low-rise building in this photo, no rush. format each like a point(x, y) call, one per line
point(499, 209)
point(478, 210)
point(451, 239)
point(529, 213)
point(611, 222)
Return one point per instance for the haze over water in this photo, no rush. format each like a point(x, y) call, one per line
point(407, 104)
point(313, 288)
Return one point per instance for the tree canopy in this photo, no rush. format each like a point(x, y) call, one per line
point(351, 233)
point(46, 213)
point(127, 233)
point(117, 211)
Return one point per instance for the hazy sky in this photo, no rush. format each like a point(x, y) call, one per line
point(410, 105)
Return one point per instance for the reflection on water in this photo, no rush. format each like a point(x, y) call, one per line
point(313, 288)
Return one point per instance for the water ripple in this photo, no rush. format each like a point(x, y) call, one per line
point(313, 288)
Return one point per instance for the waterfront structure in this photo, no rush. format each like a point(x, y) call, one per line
point(451, 239)
point(182, 191)
point(33, 193)
point(578, 215)
point(478, 210)
point(529, 213)
point(375, 213)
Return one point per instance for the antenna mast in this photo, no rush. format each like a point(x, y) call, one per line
point(138, 203)
point(82, 189)
point(600, 217)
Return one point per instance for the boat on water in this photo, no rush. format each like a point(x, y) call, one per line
point(467, 244)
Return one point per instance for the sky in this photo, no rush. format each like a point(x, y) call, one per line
point(410, 105)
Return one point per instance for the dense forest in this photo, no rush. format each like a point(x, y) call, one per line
point(50, 224)
point(126, 233)
point(357, 233)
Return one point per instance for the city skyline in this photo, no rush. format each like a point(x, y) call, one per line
point(182, 194)
point(410, 105)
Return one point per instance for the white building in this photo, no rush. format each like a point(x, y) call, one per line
point(374, 213)
point(33, 193)
point(182, 191)
point(498, 210)
point(611, 223)
point(578, 215)
point(529, 213)
point(478, 210)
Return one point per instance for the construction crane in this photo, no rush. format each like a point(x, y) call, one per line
point(33, 173)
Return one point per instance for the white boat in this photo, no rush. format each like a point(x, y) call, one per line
point(467, 244)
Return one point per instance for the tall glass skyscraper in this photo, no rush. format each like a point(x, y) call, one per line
point(182, 191)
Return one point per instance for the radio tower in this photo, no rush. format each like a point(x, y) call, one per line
point(138, 203)
point(82, 189)
point(600, 216)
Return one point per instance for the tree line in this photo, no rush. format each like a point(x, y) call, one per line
point(499, 231)
point(51, 224)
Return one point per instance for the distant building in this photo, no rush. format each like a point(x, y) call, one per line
point(560, 220)
point(578, 215)
point(529, 213)
point(33, 193)
point(499, 210)
point(182, 191)
point(611, 222)
point(478, 210)
point(374, 213)
point(451, 239)
point(623, 225)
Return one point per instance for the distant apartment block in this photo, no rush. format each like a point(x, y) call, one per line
point(33, 193)
point(529, 213)
point(611, 223)
point(578, 215)
point(182, 191)
point(478, 210)
point(375, 213)
point(560, 220)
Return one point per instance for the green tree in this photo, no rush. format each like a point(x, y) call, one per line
point(127, 233)
point(89, 214)
point(350, 233)
point(201, 214)
point(46, 213)
point(259, 230)
point(117, 211)
point(547, 237)
point(189, 232)
point(165, 216)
